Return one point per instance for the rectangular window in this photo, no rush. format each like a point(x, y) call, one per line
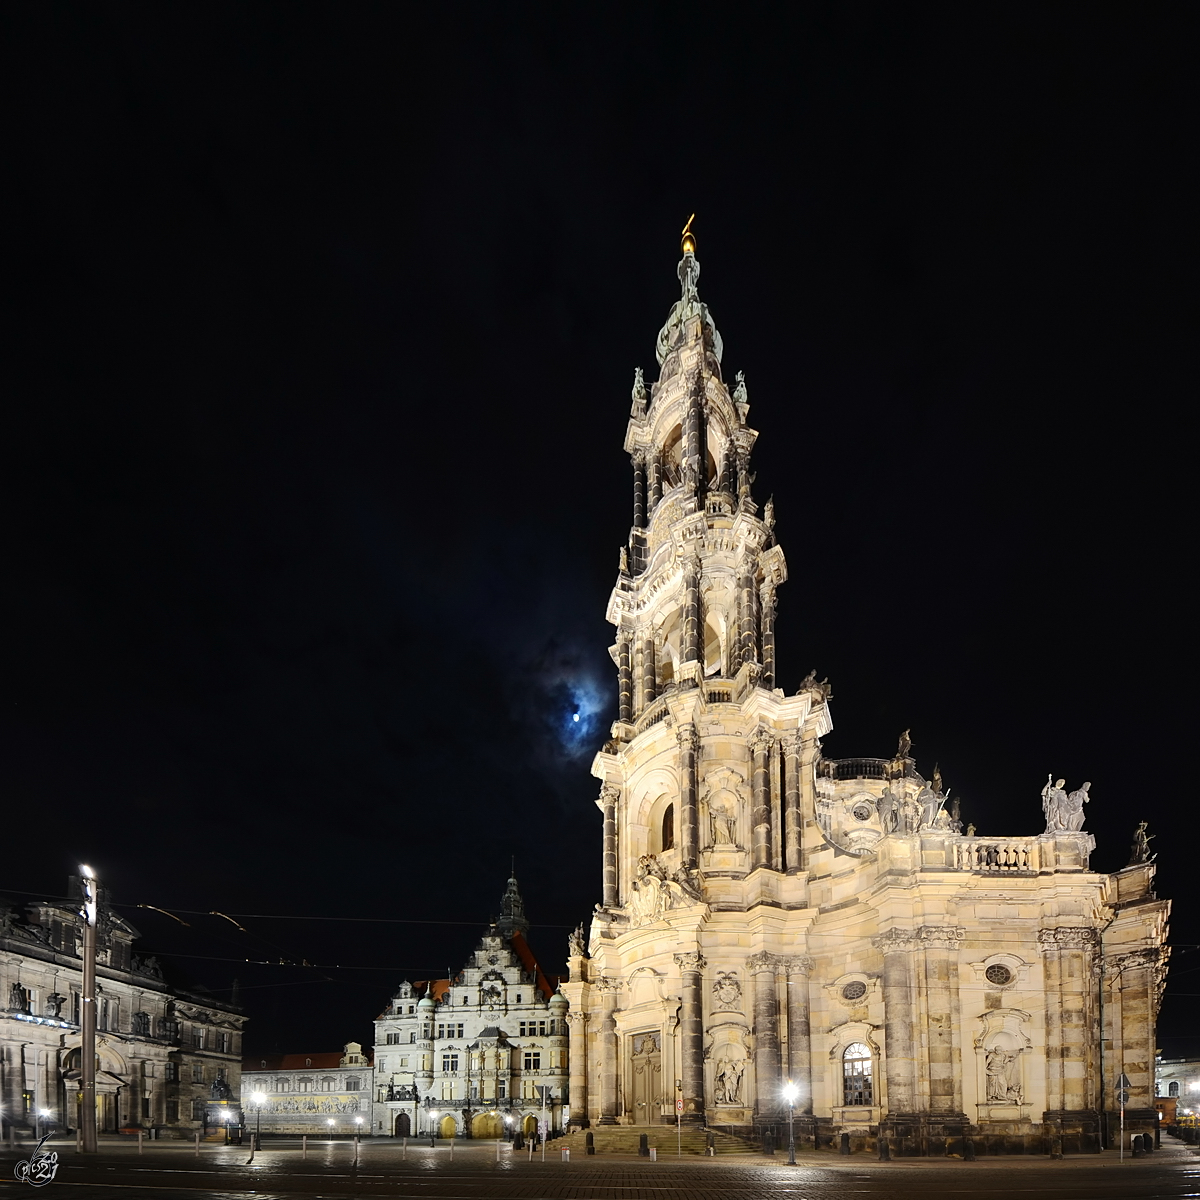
point(304, 1084)
point(411, 1010)
point(224, 1043)
point(103, 1021)
point(542, 1028)
point(460, 1031)
point(403, 1063)
point(441, 1031)
point(533, 1061)
point(197, 1110)
point(198, 1037)
point(449, 1062)
point(501, 1089)
point(522, 1030)
point(172, 1110)
point(197, 1072)
point(75, 1008)
point(381, 1066)
point(352, 1083)
point(145, 1108)
point(172, 1070)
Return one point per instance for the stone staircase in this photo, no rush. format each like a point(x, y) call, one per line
point(624, 1139)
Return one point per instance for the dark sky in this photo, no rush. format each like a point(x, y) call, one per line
point(320, 331)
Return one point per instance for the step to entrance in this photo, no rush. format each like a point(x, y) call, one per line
point(625, 1139)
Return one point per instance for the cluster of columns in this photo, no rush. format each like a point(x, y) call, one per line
point(766, 969)
point(1068, 954)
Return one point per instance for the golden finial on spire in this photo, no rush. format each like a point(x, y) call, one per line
point(688, 245)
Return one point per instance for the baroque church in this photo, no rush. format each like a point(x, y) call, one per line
point(772, 917)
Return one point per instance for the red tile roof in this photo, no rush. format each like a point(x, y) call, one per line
point(318, 1061)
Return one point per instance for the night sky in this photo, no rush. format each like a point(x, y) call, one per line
point(321, 325)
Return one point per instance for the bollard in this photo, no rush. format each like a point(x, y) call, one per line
point(769, 1142)
point(78, 1140)
point(885, 1151)
point(566, 1155)
point(139, 1141)
point(404, 1149)
point(968, 1150)
point(197, 1143)
point(654, 1154)
point(304, 1146)
point(451, 1149)
point(589, 1142)
point(1056, 1147)
point(497, 1149)
point(643, 1146)
point(844, 1144)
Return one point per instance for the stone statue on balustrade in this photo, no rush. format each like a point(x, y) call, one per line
point(577, 943)
point(1140, 850)
point(904, 748)
point(889, 810)
point(1064, 811)
point(931, 804)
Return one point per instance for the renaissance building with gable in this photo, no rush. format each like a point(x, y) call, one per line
point(481, 1055)
point(772, 916)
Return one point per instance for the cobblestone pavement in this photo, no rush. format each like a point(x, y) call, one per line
point(387, 1169)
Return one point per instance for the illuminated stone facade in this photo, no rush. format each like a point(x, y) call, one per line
point(468, 1056)
point(770, 915)
point(309, 1093)
point(167, 1060)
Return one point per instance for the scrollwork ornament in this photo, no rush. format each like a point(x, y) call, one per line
point(895, 939)
point(798, 964)
point(1145, 959)
point(577, 1020)
point(1067, 938)
point(691, 960)
point(942, 937)
point(607, 985)
point(762, 961)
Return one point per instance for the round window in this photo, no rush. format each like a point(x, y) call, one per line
point(861, 812)
point(855, 990)
point(999, 974)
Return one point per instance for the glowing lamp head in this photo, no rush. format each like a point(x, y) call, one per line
point(259, 1097)
point(86, 872)
point(328, 1120)
point(358, 1120)
point(43, 1112)
point(791, 1093)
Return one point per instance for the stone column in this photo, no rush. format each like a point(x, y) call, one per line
point(767, 1067)
point(695, 466)
point(689, 813)
point(690, 641)
point(577, 1027)
point(654, 473)
point(768, 635)
point(747, 611)
point(1067, 955)
point(798, 969)
point(609, 795)
point(760, 835)
point(899, 1050)
point(639, 489)
point(691, 1035)
point(728, 480)
point(608, 989)
point(745, 502)
point(939, 944)
point(649, 688)
point(624, 679)
point(1134, 982)
point(792, 818)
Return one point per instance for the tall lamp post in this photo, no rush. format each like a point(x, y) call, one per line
point(87, 1055)
point(790, 1093)
point(260, 1099)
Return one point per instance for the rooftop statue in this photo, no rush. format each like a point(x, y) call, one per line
point(1140, 851)
point(904, 749)
point(1064, 812)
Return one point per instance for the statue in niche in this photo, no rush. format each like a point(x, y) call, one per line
point(721, 821)
point(18, 998)
point(1140, 850)
point(727, 1082)
point(55, 1001)
point(1002, 1084)
point(904, 748)
point(727, 992)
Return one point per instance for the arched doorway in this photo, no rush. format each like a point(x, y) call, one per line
point(403, 1125)
point(530, 1125)
point(487, 1125)
point(448, 1127)
point(647, 1079)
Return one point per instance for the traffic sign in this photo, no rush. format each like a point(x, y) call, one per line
point(679, 1106)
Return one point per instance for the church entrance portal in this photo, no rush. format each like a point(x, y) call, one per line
point(403, 1125)
point(487, 1125)
point(647, 1079)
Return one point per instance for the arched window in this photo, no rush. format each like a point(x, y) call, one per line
point(1173, 1089)
point(668, 828)
point(856, 1075)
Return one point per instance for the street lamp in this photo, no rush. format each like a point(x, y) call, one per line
point(42, 1114)
point(260, 1099)
point(790, 1092)
point(87, 1048)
